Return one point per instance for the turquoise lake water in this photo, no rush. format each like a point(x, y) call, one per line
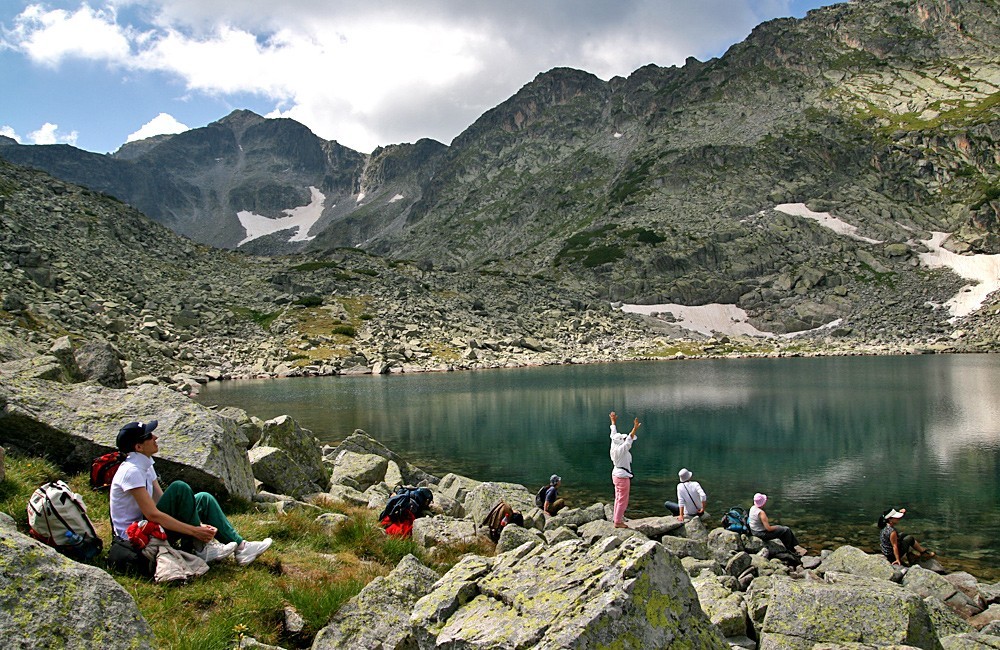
point(832, 441)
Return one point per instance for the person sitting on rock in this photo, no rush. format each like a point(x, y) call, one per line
point(896, 547)
point(553, 503)
point(762, 528)
point(196, 520)
point(691, 498)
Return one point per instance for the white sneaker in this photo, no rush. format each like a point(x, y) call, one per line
point(215, 551)
point(251, 551)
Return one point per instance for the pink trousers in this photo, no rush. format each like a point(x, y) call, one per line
point(622, 488)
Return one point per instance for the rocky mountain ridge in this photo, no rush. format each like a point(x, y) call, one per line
point(661, 188)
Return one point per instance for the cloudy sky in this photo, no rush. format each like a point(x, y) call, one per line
point(100, 73)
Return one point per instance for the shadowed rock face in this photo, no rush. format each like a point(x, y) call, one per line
point(74, 424)
point(571, 595)
point(49, 601)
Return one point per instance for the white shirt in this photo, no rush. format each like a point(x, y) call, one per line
point(690, 496)
point(136, 471)
point(621, 456)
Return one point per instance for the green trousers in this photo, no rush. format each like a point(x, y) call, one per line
point(180, 502)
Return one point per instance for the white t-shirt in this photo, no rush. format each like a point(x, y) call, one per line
point(136, 471)
point(691, 496)
point(621, 456)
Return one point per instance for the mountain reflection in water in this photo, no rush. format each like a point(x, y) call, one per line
point(832, 441)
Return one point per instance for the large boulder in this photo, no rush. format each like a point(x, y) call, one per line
point(726, 609)
point(49, 601)
point(359, 471)
point(443, 531)
point(248, 425)
point(361, 443)
point(301, 446)
point(848, 559)
point(456, 486)
point(512, 537)
point(684, 547)
point(803, 613)
point(571, 595)
point(73, 424)
point(62, 349)
point(99, 361)
point(929, 584)
point(346, 494)
point(481, 499)
point(279, 473)
point(724, 543)
point(601, 528)
point(970, 641)
point(379, 616)
point(575, 516)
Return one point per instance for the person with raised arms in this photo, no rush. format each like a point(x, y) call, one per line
point(621, 475)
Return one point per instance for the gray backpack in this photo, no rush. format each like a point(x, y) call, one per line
point(58, 516)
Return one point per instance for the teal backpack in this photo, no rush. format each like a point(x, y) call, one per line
point(735, 520)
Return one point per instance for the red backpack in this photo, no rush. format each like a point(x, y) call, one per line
point(103, 469)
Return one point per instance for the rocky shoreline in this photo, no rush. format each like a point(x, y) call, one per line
point(571, 580)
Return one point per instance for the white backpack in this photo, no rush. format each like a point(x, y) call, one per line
point(58, 517)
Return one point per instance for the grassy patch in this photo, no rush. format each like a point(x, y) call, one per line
point(345, 330)
point(264, 319)
point(309, 301)
point(311, 567)
point(315, 266)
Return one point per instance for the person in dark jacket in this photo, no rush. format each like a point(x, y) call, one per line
point(895, 546)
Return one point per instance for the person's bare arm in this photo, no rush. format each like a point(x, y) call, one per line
point(635, 427)
point(894, 538)
point(204, 532)
point(764, 522)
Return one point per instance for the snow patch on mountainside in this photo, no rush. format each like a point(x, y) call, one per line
point(301, 219)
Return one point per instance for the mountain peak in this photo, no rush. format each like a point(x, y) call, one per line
point(239, 119)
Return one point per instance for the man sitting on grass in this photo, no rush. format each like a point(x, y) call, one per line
point(197, 519)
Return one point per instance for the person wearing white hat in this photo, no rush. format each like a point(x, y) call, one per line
point(691, 498)
point(896, 546)
point(621, 475)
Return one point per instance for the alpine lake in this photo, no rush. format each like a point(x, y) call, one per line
point(832, 441)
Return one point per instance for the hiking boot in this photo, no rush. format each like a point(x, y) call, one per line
point(215, 551)
point(250, 551)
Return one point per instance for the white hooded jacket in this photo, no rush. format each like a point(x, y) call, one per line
point(621, 455)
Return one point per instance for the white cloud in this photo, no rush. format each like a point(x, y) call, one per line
point(48, 133)
point(9, 132)
point(369, 74)
point(49, 36)
point(159, 125)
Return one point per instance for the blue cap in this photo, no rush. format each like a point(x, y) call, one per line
point(133, 433)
